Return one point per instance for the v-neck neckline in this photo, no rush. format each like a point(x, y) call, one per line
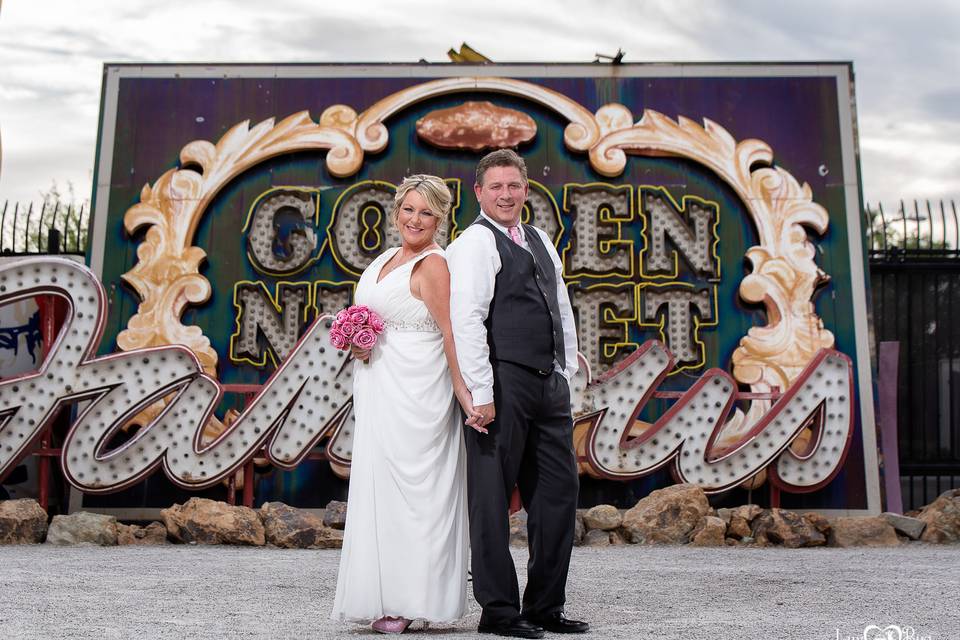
point(381, 276)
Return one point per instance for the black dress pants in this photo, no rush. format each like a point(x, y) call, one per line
point(530, 445)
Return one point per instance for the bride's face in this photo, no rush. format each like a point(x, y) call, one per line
point(416, 222)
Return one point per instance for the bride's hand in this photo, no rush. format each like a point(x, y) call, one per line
point(466, 403)
point(360, 354)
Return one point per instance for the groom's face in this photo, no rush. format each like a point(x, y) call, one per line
point(502, 194)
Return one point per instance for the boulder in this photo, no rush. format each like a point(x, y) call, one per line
point(910, 527)
point(788, 528)
point(709, 532)
point(666, 516)
point(618, 537)
point(335, 516)
point(818, 522)
point(83, 528)
point(942, 518)
point(748, 512)
point(203, 521)
point(518, 529)
point(22, 522)
point(738, 528)
point(153, 533)
point(739, 520)
point(596, 538)
point(290, 528)
point(603, 516)
point(862, 531)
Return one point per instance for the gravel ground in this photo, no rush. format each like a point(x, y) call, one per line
point(624, 592)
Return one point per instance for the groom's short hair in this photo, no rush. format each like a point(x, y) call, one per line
point(501, 158)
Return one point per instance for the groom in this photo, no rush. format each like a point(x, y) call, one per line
point(517, 348)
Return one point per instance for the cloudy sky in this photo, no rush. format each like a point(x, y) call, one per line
point(905, 59)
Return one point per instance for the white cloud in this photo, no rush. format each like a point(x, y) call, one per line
point(51, 56)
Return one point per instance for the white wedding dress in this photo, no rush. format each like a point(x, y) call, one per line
point(406, 540)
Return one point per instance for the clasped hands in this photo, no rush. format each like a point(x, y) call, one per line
point(478, 417)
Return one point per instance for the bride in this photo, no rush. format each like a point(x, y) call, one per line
point(406, 540)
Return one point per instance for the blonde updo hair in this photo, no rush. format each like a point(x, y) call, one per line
point(434, 190)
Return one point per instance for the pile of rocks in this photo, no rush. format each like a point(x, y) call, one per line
point(198, 521)
point(679, 514)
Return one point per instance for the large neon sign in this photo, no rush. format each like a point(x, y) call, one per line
point(686, 250)
point(308, 399)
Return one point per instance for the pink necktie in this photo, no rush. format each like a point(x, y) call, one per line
point(515, 235)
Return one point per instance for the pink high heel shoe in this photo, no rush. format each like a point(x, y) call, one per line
point(386, 624)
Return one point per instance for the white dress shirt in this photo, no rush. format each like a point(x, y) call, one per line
point(474, 262)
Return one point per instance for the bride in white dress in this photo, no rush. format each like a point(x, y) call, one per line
point(405, 546)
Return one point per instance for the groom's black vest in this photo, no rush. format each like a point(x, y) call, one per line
point(523, 325)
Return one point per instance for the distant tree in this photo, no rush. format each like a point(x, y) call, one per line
point(903, 230)
point(59, 209)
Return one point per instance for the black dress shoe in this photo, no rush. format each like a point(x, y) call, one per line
point(516, 628)
point(559, 623)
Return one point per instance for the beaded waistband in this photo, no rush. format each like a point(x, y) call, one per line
point(428, 325)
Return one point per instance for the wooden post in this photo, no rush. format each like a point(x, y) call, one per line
point(889, 359)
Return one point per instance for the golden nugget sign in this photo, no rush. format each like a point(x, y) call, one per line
point(270, 318)
point(686, 250)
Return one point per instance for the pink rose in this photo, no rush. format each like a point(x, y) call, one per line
point(359, 315)
point(365, 338)
point(348, 329)
point(338, 340)
point(376, 323)
point(343, 315)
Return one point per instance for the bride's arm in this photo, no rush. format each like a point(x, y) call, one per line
point(430, 282)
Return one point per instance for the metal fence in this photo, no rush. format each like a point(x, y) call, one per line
point(43, 228)
point(913, 231)
point(915, 287)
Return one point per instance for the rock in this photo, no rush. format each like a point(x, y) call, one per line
point(603, 516)
point(83, 528)
point(618, 538)
point(22, 522)
point(518, 529)
point(818, 522)
point(153, 533)
point(596, 538)
point(787, 528)
point(290, 528)
point(709, 532)
point(579, 529)
point(738, 528)
point(203, 521)
point(942, 518)
point(912, 528)
point(748, 512)
point(666, 516)
point(862, 531)
point(724, 514)
point(739, 520)
point(335, 516)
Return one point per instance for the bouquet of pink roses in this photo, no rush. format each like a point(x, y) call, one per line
point(357, 325)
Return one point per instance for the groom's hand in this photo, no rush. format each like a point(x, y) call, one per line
point(487, 413)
